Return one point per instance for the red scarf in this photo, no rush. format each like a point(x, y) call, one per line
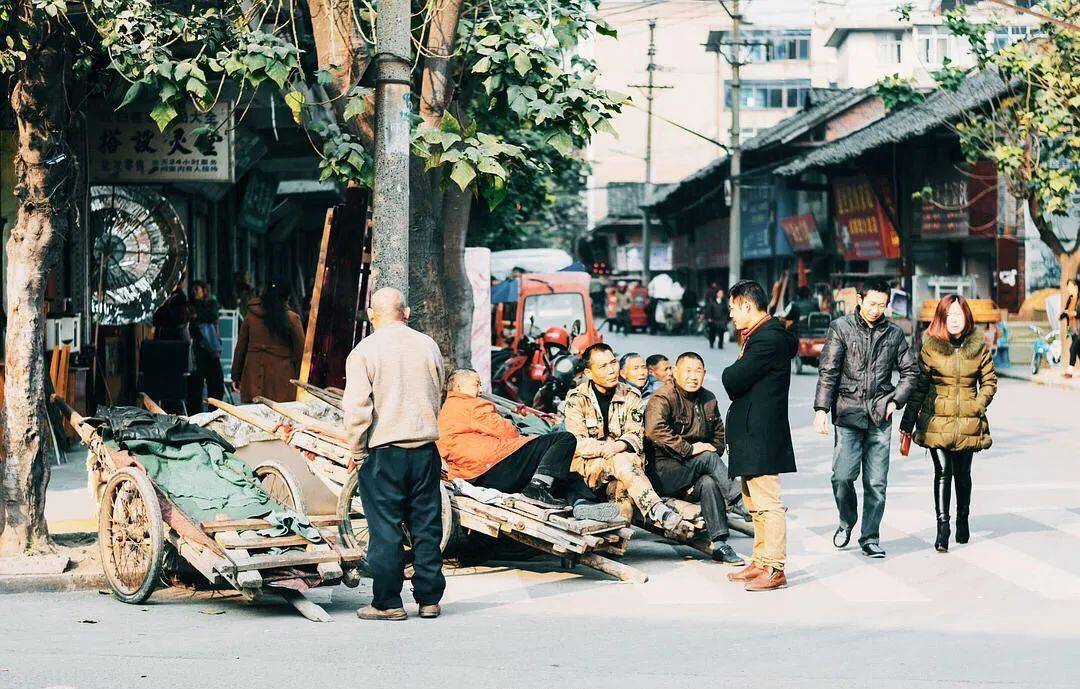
point(744, 336)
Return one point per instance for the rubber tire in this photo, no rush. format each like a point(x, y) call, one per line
point(289, 478)
point(148, 495)
point(347, 538)
point(1036, 361)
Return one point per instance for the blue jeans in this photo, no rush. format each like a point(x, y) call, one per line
point(866, 450)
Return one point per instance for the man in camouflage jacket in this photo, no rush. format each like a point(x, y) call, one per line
point(606, 417)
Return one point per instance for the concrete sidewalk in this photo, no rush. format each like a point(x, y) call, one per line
point(1051, 377)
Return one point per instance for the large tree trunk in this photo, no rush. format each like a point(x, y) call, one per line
point(1068, 259)
point(456, 206)
point(44, 168)
point(426, 276)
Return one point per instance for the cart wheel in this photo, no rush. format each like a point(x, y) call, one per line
point(131, 535)
point(1035, 361)
point(353, 528)
point(280, 483)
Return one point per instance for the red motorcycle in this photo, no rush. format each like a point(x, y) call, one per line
point(539, 373)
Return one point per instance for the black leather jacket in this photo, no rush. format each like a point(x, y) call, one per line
point(856, 367)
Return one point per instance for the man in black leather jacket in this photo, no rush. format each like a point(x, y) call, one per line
point(855, 384)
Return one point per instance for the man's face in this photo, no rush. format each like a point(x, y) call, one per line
point(872, 306)
point(635, 371)
point(662, 371)
point(689, 374)
point(200, 292)
point(603, 370)
point(469, 385)
point(743, 313)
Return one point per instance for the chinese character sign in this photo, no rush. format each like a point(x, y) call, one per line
point(802, 232)
point(127, 146)
point(862, 227)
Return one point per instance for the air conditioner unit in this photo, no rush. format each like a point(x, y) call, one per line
point(63, 331)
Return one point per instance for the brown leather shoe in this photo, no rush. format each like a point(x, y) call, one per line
point(373, 613)
point(430, 612)
point(751, 571)
point(768, 580)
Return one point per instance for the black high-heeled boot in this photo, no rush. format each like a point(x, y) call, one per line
point(942, 498)
point(962, 476)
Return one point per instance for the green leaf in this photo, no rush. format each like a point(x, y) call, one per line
point(491, 167)
point(355, 106)
point(279, 72)
point(295, 101)
point(450, 123)
point(495, 192)
point(522, 64)
point(324, 78)
point(482, 66)
point(132, 94)
point(163, 114)
point(562, 143)
point(463, 174)
point(606, 30)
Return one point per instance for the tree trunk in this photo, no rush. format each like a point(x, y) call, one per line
point(44, 169)
point(456, 206)
point(427, 298)
point(1068, 260)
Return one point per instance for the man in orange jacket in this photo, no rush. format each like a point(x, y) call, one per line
point(487, 450)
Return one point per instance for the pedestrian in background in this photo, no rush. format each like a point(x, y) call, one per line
point(269, 348)
point(717, 315)
point(1070, 313)
point(758, 431)
point(393, 388)
point(855, 376)
point(947, 410)
point(623, 301)
point(206, 341)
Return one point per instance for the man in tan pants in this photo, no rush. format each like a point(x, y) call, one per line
point(758, 433)
point(606, 417)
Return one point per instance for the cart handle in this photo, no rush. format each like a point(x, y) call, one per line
point(242, 415)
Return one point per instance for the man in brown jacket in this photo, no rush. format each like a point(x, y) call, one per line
point(684, 440)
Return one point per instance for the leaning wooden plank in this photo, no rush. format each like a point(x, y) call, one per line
point(319, 393)
point(255, 524)
point(620, 571)
point(296, 559)
point(303, 419)
point(231, 539)
point(250, 419)
point(306, 607)
point(585, 526)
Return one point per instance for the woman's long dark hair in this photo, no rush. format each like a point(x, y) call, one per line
point(275, 313)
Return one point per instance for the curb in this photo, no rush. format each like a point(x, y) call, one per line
point(1047, 382)
point(54, 583)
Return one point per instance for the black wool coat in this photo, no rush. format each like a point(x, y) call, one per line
point(758, 432)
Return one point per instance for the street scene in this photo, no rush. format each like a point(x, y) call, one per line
point(605, 343)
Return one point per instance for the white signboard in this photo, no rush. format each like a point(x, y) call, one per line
point(478, 269)
point(127, 146)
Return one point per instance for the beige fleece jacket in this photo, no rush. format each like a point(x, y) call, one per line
point(393, 388)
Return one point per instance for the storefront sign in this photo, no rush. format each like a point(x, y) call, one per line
point(862, 226)
point(126, 146)
point(756, 204)
point(960, 203)
point(802, 232)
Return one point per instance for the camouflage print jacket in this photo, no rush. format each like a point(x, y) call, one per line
point(582, 417)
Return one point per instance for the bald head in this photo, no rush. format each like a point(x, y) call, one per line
point(387, 307)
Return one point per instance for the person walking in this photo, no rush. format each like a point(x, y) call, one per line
point(393, 386)
point(947, 410)
point(758, 430)
point(1070, 313)
point(269, 348)
point(855, 383)
point(717, 314)
point(206, 343)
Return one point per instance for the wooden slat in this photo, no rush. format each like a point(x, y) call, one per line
point(232, 539)
point(309, 423)
point(584, 526)
point(296, 559)
point(255, 524)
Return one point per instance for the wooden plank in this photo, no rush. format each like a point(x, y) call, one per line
point(620, 571)
point(533, 508)
point(252, 562)
point(584, 526)
point(232, 539)
point(319, 394)
point(255, 524)
point(313, 425)
point(249, 419)
point(305, 606)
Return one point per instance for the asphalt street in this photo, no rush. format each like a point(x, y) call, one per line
point(1001, 611)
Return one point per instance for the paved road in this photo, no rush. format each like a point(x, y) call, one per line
point(1000, 611)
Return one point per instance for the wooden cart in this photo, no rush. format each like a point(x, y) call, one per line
point(141, 532)
point(553, 531)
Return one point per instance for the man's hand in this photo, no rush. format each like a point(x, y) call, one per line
point(612, 448)
point(890, 409)
point(698, 448)
point(821, 422)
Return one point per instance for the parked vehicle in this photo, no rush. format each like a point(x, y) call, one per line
point(813, 329)
point(1046, 349)
point(639, 309)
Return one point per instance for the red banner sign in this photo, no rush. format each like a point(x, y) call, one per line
point(802, 232)
point(862, 226)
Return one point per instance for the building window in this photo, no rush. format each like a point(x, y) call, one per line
point(1005, 36)
point(770, 95)
point(935, 43)
point(769, 45)
point(890, 48)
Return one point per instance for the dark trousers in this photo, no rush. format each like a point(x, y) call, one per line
point(208, 371)
point(1074, 349)
point(705, 476)
point(548, 455)
point(864, 450)
point(952, 467)
point(715, 331)
point(401, 486)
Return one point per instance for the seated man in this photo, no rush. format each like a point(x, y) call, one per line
point(684, 439)
point(482, 447)
point(605, 417)
point(632, 371)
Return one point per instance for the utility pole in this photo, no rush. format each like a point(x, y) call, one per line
point(390, 191)
point(646, 220)
point(734, 216)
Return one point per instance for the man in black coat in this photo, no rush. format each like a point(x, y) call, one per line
point(855, 383)
point(758, 433)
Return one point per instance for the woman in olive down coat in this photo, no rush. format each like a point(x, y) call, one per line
point(948, 408)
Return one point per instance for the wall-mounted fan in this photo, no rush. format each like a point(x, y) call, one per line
point(138, 253)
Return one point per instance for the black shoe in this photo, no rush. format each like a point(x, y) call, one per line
point(842, 537)
point(873, 550)
point(962, 531)
point(941, 544)
point(726, 554)
point(740, 512)
point(539, 492)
